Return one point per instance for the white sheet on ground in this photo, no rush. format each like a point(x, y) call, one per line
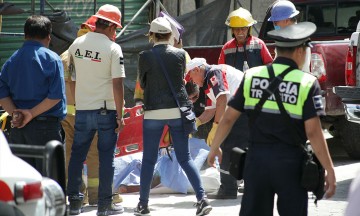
point(173, 178)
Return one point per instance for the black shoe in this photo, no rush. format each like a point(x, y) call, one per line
point(203, 207)
point(141, 210)
point(221, 194)
point(75, 207)
point(110, 209)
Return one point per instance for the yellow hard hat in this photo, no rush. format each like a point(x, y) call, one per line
point(240, 18)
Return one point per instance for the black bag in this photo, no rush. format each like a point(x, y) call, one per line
point(188, 119)
point(237, 162)
point(313, 175)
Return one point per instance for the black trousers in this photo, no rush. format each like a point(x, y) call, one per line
point(37, 132)
point(238, 137)
point(273, 169)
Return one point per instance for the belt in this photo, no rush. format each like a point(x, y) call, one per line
point(47, 118)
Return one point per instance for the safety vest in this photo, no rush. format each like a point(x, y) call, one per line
point(294, 89)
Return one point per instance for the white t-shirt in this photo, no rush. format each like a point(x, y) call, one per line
point(97, 61)
point(228, 86)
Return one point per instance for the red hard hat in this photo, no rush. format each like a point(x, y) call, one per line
point(90, 23)
point(109, 13)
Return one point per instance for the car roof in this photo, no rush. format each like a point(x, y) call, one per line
point(10, 164)
point(4, 146)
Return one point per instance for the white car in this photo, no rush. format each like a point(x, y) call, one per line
point(23, 187)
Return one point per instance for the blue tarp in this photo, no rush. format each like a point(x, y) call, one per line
point(127, 168)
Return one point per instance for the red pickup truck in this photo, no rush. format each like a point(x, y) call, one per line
point(335, 23)
point(350, 93)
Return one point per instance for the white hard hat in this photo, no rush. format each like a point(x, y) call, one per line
point(177, 28)
point(195, 62)
point(160, 25)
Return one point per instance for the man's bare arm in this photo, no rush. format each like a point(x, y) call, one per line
point(42, 107)
point(221, 103)
point(8, 105)
point(118, 89)
point(207, 115)
point(226, 123)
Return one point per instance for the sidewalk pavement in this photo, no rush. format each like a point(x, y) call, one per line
point(182, 205)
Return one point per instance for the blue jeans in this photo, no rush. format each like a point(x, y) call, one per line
point(87, 122)
point(152, 131)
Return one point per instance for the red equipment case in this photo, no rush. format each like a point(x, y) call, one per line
point(130, 138)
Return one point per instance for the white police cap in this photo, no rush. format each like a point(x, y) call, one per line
point(293, 35)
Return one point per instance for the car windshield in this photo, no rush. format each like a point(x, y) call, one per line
point(328, 20)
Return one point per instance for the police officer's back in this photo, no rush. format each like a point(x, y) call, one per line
point(274, 160)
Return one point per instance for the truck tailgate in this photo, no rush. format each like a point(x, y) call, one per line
point(350, 96)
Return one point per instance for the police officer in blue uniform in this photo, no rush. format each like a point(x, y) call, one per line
point(273, 164)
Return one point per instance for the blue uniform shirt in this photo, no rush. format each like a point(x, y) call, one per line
point(32, 74)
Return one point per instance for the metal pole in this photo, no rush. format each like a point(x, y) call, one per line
point(11, 34)
point(157, 7)
point(42, 7)
point(251, 3)
point(178, 8)
point(122, 11)
point(133, 18)
point(48, 4)
point(162, 7)
point(95, 5)
point(357, 64)
point(32, 7)
point(1, 1)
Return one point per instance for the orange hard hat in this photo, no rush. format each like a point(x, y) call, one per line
point(89, 23)
point(109, 13)
point(87, 26)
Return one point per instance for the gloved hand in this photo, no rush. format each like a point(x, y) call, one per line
point(198, 122)
point(211, 134)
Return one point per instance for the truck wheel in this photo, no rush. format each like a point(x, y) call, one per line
point(350, 137)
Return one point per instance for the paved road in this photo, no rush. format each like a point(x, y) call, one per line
point(182, 205)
